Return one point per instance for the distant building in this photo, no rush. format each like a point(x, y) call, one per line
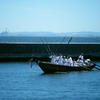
point(5, 33)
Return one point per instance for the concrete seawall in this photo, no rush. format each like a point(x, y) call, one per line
point(25, 50)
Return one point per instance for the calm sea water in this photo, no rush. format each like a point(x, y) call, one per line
point(20, 82)
point(34, 39)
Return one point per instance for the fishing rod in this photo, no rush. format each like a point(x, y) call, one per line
point(96, 65)
point(97, 68)
point(69, 42)
point(45, 46)
point(61, 43)
point(48, 46)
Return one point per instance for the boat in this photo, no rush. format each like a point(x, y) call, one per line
point(52, 68)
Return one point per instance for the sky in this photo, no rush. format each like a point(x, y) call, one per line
point(50, 15)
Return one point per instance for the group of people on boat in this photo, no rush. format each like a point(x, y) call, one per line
point(68, 61)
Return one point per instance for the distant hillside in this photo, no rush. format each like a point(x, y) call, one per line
point(74, 34)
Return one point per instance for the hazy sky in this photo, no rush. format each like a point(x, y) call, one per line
point(50, 15)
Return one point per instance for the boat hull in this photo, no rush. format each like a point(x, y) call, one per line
point(52, 68)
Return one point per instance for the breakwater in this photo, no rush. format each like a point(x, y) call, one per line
point(25, 50)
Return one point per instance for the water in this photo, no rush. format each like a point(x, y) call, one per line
point(20, 82)
point(34, 39)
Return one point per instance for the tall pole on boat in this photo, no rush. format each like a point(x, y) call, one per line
point(70, 40)
point(48, 46)
point(68, 43)
point(45, 46)
point(60, 43)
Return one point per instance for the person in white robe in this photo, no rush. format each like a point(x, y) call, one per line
point(56, 59)
point(60, 60)
point(70, 61)
point(52, 59)
point(65, 61)
point(80, 62)
point(81, 56)
point(87, 61)
point(75, 63)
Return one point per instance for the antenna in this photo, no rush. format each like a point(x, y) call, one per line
point(6, 29)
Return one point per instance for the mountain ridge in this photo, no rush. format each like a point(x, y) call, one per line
point(47, 33)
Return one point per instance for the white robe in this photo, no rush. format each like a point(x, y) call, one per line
point(56, 59)
point(65, 62)
point(70, 62)
point(75, 63)
point(80, 62)
point(52, 59)
point(80, 57)
point(60, 61)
